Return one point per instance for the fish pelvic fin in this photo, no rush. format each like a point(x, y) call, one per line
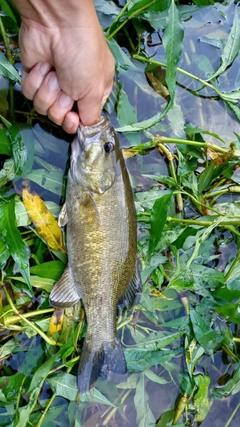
point(108, 362)
point(64, 293)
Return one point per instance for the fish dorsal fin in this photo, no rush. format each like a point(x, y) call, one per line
point(64, 293)
point(133, 290)
point(63, 219)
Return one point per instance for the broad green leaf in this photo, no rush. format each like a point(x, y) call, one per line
point(172, 42)
point(232, 386)
point(5, 144)
point(7, 69)
point(155, 378)
point(201, 400)
point(138, 360)
point(121, 59)
point(7, 348)
point(25, 411)
point(7, 173)
point(96, 396)
point(145, 417)
point(65, 385)
point(13, 239)
point(232, 97)
point(232, 47)
point(22, 148)
point(126, 115)
point(158, 220)
point(51, 269)
point(4, 252)
point(10, 386)
point(45, 283)
point(11, 11)
point(235, 109)
point(205, 335)
point(51, 181)
point(22, 218)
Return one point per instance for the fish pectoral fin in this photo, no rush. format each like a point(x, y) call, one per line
point(64, 293)
point(63, 218)
point(134, 289)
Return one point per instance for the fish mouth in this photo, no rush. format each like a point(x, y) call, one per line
point(90, 131)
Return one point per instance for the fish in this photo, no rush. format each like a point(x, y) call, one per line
point(101, 238)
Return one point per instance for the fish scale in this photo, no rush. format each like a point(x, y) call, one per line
point(102, 248)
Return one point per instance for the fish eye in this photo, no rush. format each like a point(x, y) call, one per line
point(108, 147)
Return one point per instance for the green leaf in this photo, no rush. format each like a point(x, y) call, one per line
point(145, 417)
point(11, 11)
point(232, 386)
point(51, 269)
point(5, 144)
point(232, 47)
point(172, 42)
point(7, 173)
point(13, 239)
point(4, 252)
point(121, 59)
point(7, 69)
point(205, 335)
point(201, 400)
point(22, 148)
point(126, 115)
point(158, 220)
point(51, 181)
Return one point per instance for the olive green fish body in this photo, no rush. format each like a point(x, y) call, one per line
point(101, 243)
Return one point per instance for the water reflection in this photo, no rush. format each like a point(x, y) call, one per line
point(153, 392)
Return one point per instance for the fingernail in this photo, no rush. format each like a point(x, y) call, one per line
point(53, 82)
point(67, 123)
point(65, 100)
point(45, 68)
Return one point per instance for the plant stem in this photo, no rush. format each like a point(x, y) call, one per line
point(205, 145)
point(130, 16)
point(6, 44)
point(46, 409)
point(32, 326)
point(15, 319)
point(231, 189)
point(180, 70)
point(235, 262)
point(202, 223)
point(170, 157)
point(233, 415)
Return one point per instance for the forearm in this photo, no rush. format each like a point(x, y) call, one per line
point(50, 13)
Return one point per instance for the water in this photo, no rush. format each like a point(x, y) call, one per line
point(159, 389)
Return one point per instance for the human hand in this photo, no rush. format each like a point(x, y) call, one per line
point(65, 59)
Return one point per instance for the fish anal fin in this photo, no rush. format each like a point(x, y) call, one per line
point(133, 290)
point(64, 293)
point(108, 362)
point(63, 219)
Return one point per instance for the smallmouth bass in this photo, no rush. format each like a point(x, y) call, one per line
point(102, 248)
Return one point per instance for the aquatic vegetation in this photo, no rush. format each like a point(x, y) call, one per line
point(176, 107)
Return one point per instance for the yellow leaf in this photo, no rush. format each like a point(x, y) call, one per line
point(44, 221)
point(56, 322)
point(158, 294)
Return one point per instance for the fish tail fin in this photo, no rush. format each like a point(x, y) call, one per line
point(108, 362)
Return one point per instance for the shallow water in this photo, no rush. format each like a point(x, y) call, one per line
point(210, 114)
